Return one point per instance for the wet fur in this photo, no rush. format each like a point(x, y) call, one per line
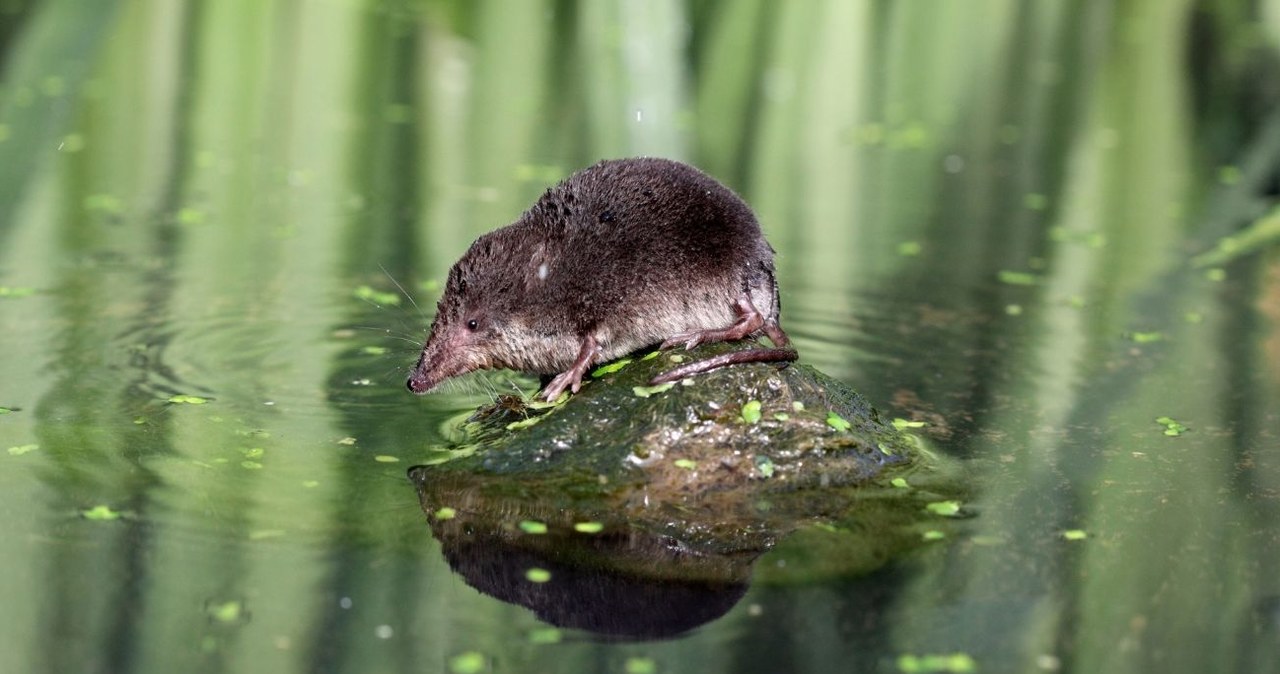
point(629, 251)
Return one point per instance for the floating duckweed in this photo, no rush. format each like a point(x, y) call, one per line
point(1146, 337)
point(765, 465)
point(900, 483)
point(226, 612)
point(933, 535)
point(1017, 278)
point(1171, 427)
point(536, 575)
point(251, 465)
point(640, 666)
point(909, 248)
point(900, 423)
point(187, 400)
point(348, 441)
point(646, 391)
point(22, 449)
point(945, 508)
point(8, 291)
point(1075, 534)
point(545, 635)
point(588, 527)
point(523, 423)
point(374, 350)
point(838, 422)
point(956, 663)
point(532, 527)
point(386, 458)
point(610, 368)
point(687, 464)
point(751, 411)
point(781, 416)
point(469, 662)
point(101, 513)
point(376, 296)
point(445, 513)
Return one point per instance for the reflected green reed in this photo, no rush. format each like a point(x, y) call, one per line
point(195, 190)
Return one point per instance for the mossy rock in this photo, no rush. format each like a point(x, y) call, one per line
point(667, 497)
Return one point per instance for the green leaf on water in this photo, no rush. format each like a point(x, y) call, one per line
point(944, 508)
point(646, 391)
point(933, 535)
point(610, 368)
point(1172, 427)
point(545, 635)
point(532, 527)
point(183, 399)
point(386, 458)
point(955, 663)
point(367, 293)
point(1075, 534)
point(19, 450)
point(1146, 337)
point(651, 355)
point(751, 412)
point(445, 513)
point(523, 423)
point(637, 665)
point(101, 513)
point(226, 612)
point(838, 422)
point(588, 527)
point(900, 483)
point(469, 662)
point(537, 575)
point(1017, 278)
point(900, 423)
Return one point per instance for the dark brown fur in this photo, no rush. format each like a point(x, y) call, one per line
point(624, 254)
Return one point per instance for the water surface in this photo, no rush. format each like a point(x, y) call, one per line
point(991, 217)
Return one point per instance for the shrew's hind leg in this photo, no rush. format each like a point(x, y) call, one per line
point(749, 320)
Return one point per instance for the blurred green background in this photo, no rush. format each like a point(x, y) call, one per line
point(1037, 226)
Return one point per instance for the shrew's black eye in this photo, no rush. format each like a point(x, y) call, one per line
point(472, 324)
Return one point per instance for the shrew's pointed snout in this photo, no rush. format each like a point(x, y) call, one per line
point(417, 382)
